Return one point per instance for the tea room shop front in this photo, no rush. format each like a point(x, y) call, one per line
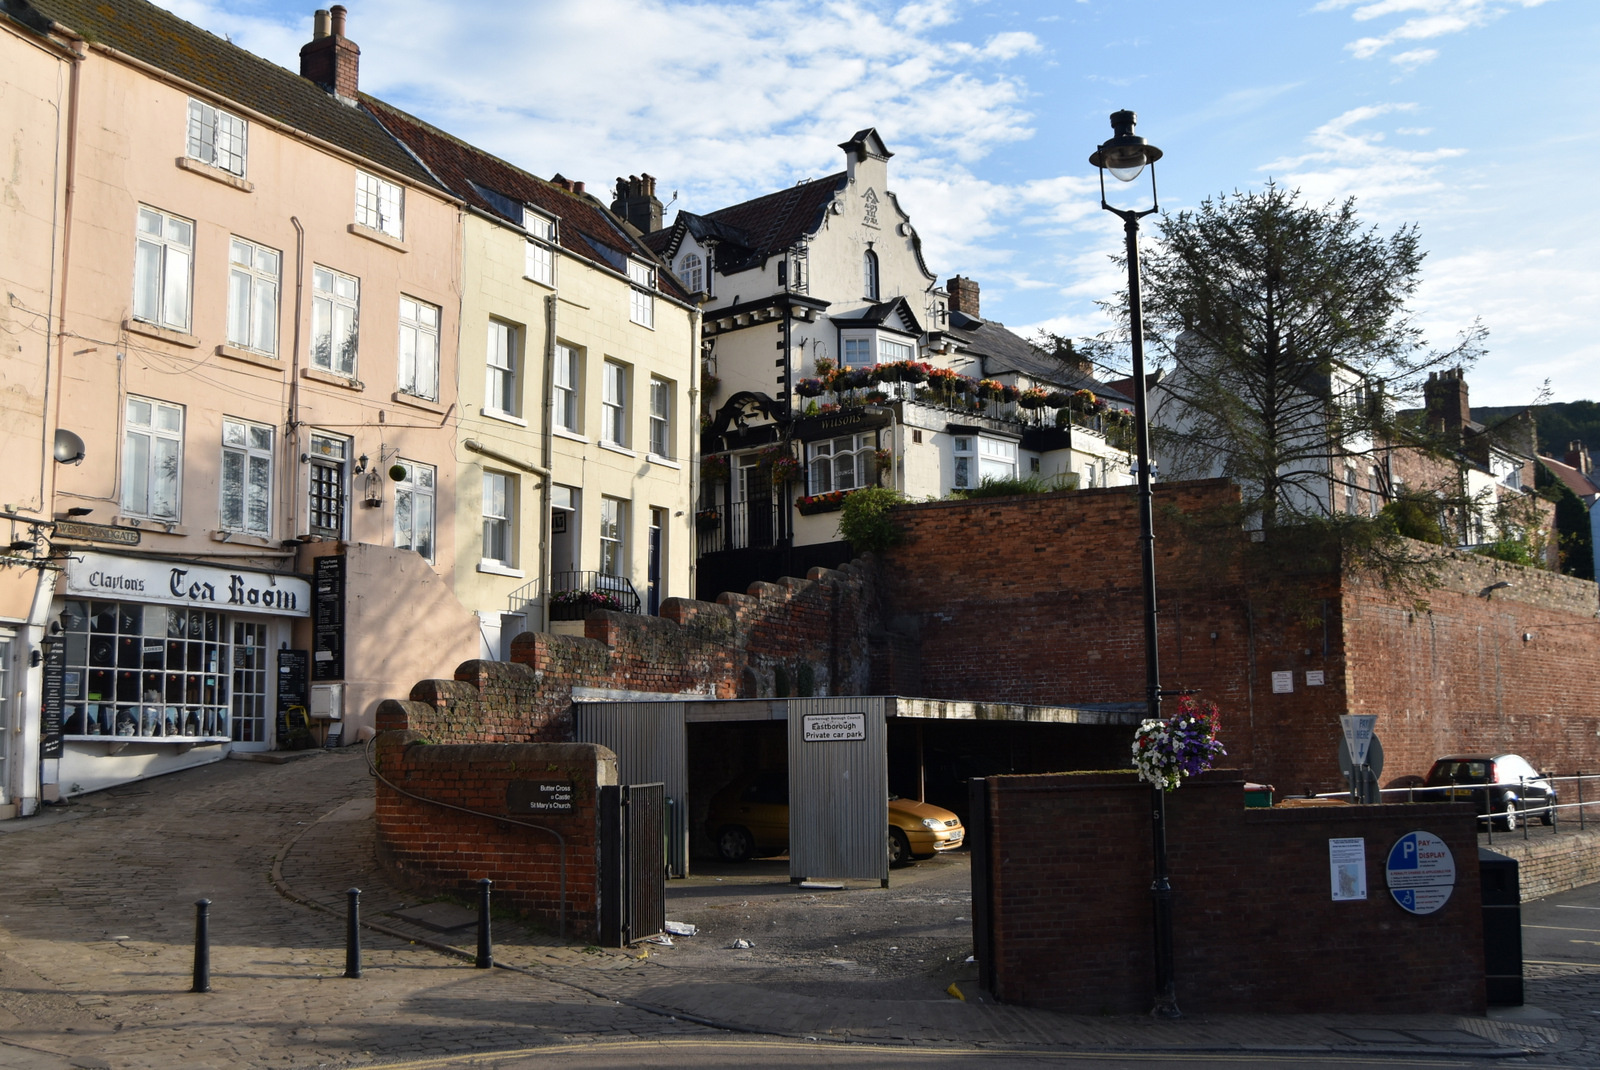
point(162, 665)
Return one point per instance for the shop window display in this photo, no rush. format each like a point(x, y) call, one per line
point(144, 672)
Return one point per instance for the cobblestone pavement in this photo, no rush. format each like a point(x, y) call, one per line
point(97, 919)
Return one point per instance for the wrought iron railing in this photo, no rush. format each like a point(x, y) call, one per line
point(751, 525)
point(574, 594)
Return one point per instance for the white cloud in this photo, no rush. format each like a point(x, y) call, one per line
point(1415, 58)
point(1426, 19)
point(1345, 160)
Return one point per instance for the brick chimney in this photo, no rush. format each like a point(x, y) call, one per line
point(331, 59)
point(1446, 400)
point(1578, 457)
point(963, 296)
point(636, 202)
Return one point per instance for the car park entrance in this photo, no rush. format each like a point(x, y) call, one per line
point(831, 780)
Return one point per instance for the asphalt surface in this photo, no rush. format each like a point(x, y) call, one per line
point(97, 919)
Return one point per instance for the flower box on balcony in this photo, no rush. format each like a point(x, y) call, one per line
point(831, 502)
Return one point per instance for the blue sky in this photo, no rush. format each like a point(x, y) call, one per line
point(1476, 119)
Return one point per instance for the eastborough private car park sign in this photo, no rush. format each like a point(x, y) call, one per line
point(1421, 872)
point(833, 727)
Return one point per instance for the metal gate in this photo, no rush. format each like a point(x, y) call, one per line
point(648, 740)
point(633, 877)
point(838, 789)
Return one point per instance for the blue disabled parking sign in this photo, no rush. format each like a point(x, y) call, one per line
point(1421, 872)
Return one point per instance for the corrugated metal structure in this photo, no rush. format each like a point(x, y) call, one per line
point(838, 789)
point(648, 739)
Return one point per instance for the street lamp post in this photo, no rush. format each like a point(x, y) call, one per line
point(1126, 156)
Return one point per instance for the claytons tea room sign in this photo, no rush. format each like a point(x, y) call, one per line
point(131, 579)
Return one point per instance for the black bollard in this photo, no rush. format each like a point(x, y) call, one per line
point(485, 951)
point(202, 946)
point(352, 936)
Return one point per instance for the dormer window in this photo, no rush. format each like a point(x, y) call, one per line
point(691, 271)
point(541, 265)
point(869, 275)
point(216, 137)
point(642, 302)
point(380, 205)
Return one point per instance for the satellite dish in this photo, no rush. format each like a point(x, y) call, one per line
point(69, 447)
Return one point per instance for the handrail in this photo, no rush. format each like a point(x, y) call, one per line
point(1412, 791)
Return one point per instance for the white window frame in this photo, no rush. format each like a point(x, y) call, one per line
point(380, 205)
point(843, 463)
point(641, 301)
point(499, 519)
point(566, 393)
point(540, 261)
point(163, 269)
point(891, 350)
point(502, 385)
point(158, 435)
point(253, 276)
point(691, 269)
point(661, 398)
point(328, 300)
point(418, 490)
point(417, 358)
point(856, 352)
point(614, 404)
point(980, 457)
point(216, 138)
point(613, 537)
point(249, 446)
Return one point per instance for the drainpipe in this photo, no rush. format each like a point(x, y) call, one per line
point(547, 456)
point(68, 197)
point(292, 435)
point(692, 542)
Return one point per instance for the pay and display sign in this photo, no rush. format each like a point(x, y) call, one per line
point(1358, 734)
point(1421, 872)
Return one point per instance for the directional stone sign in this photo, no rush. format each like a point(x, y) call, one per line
point(1421, 872)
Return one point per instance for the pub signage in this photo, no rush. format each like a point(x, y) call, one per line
point(92, 575)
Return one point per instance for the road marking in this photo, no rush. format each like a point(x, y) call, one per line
point(1573, 906)
point(1560, 962)
point(1561, 928)
point(1596, 943)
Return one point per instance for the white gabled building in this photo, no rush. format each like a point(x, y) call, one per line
point(834, 361)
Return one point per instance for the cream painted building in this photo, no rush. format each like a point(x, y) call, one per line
point(241, 298)
point(577, 402)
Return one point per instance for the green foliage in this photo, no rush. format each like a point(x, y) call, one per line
point(1514, 549)
point(1286, 331)
point(864, 519)
point(1415, 517)
point(1007, 488)
point(1560, 423)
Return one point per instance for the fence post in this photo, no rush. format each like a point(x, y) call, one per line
point(1580, 800)
point(352, 935)
point(485, 950)
point(1523, 792)
point(202, 946)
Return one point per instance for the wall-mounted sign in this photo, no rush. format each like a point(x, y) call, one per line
point(1282, 683)
point(73, 529)
point(1421, 872)
point(133, 579)
point(55, 670)
point(1347, 865)
point(539, 797)
point(1315, 678)
point(327, 619)
point(833, 727)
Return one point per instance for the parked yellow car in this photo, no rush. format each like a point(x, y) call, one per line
point(750, 818)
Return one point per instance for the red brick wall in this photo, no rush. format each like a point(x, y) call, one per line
point(1255, 925)
point(741, 647)
point(430, 847)
point(1039, 600)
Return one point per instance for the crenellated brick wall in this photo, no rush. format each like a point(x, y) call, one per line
point(438, 830)
point(796, 636)
point(1256, 927)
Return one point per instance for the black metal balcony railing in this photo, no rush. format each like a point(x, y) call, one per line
point(574, 594)
point(750, 525)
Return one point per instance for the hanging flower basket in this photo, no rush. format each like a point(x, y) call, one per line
point(707, 520)
point(809, 388)
point(813, 504)
point(1166, 751)
point(714, 467)
point(1033, 398)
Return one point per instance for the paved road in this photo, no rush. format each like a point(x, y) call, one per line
point(96, 923)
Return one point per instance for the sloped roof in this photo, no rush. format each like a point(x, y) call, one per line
point(491, 184)
point(1584, 486)
point(759, 228)
point(1005, 351)
point(895, 313)
point(161, 39)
